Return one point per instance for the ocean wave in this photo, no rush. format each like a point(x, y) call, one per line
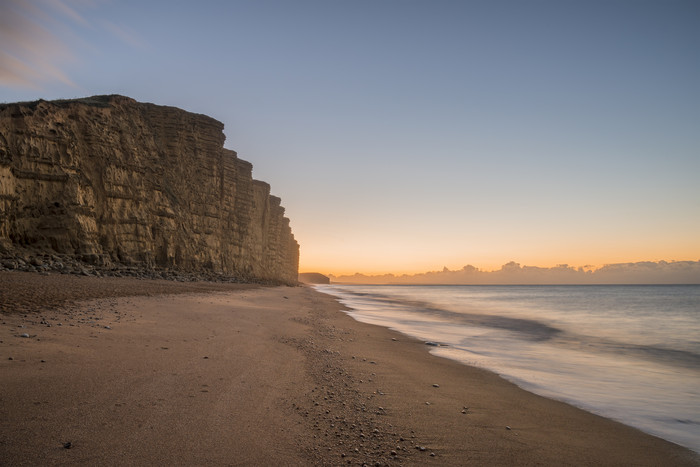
point(521, 328)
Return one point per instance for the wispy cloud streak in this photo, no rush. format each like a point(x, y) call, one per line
point(36, 38)
point(124, 34)
point(30, 53)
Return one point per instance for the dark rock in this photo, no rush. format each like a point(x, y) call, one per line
point(313, 278)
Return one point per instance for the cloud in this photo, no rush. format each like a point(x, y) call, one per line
point(67, 11)
point(30, 53)
point(124, 34)
point(36, 38)
point(646, 272)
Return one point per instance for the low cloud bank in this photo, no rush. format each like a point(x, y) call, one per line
point(646, 272)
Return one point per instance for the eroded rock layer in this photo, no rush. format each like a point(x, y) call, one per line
point(113, 182)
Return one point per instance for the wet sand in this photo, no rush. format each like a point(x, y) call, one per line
point(159, 372)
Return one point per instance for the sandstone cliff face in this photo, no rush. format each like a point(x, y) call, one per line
point(111, 181)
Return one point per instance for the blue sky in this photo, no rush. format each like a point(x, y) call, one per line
point(405, 136)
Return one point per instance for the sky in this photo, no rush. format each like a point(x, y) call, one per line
point(408, 136)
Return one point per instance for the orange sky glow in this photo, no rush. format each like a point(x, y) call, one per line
point(407, 138)
point(395, 258)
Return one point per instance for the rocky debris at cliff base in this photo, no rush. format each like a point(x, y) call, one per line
point(64, 264)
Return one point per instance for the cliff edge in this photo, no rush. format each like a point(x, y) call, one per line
point(122, 185)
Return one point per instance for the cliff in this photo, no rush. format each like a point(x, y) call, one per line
point(119, 184)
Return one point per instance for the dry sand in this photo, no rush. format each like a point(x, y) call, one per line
point(223, 374)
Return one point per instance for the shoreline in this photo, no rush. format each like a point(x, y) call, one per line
point(265, 375)
point(570, 344)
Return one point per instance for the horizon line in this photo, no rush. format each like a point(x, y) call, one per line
point(589, 268)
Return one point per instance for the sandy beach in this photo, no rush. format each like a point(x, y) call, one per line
point(119, 371)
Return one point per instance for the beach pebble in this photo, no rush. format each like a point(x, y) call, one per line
point(436, 385)
point(67, 445)
point(24, 335)
point(108, 327)
point(508, 428)
point(434, 344)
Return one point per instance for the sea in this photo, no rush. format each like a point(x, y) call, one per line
point(627, 352)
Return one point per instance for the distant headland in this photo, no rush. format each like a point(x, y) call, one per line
point(313, 278)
